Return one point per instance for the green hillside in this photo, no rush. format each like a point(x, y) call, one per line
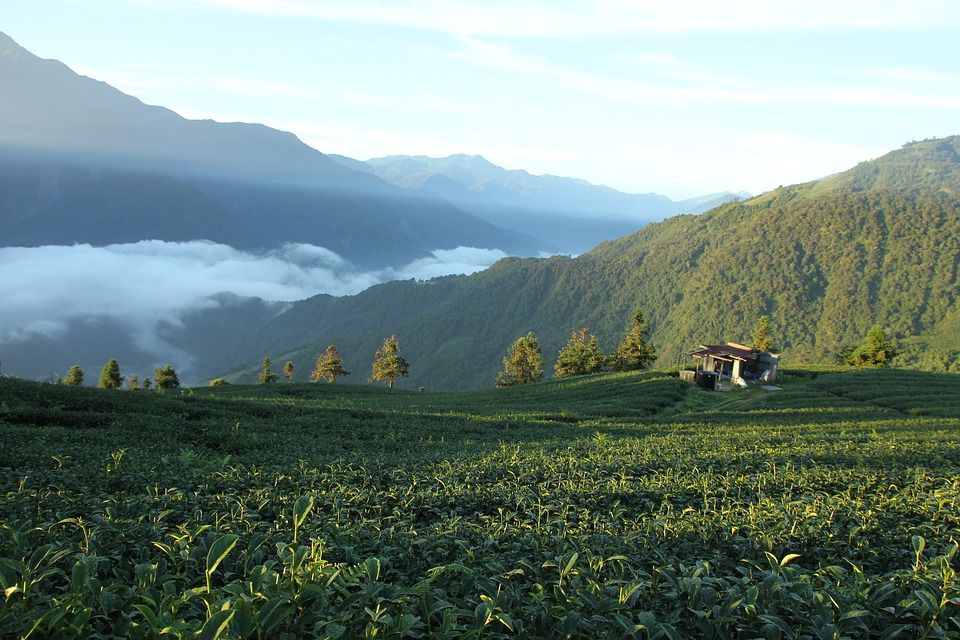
point(613, 506)
point(825, 260)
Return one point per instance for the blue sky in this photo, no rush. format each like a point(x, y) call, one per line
point(681, 97)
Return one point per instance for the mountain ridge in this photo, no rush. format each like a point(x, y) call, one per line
point(570, 213)
point(475, 173)
point(259, 186)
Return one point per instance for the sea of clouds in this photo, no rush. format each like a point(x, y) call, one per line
point(143, 285)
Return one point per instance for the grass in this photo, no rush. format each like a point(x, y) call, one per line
point(612, 506)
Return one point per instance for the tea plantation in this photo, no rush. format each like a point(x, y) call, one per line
point(615, 506)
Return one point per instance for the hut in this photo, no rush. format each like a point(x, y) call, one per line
point(734, 363)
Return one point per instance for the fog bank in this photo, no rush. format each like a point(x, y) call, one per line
point(141, 286)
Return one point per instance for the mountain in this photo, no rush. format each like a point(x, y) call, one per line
point(571, 214)
point(82, 162)
point(825, 260)
point(476, 176)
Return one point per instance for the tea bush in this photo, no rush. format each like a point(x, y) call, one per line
point(614, 506)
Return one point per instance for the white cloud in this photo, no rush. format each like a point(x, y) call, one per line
point(907, 74)
point(535, 19)
point(144, 285)
point(446, 261)
point(152, 281)
point(49, 328)
point(688, 85)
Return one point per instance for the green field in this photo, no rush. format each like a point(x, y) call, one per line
point(614, 506)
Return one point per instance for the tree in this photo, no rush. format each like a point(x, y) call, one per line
point(74, 376)
point(523, 363)
point(147, 383)
point(580, 355)
point(164, 378)
point(133, 384)
point(388, 364)
point(761, 335)
point(266, 376)
point(288, 370)
point(110, 377)
point(875, 351)
point(842, 353)
point(329, 366)
point(634, 352)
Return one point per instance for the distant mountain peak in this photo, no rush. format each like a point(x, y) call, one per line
point(517, 187)
point(473, 159)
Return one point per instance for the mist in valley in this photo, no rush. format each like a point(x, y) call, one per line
point(83, 304)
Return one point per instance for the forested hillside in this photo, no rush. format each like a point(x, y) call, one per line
point(825, 260)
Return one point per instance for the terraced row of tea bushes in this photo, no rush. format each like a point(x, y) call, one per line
point(909, 392)
point(628, 394)
point(343, 512)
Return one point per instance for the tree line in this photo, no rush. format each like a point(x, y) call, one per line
point(388, 365)
point(523, 363)
point(164, 378)
point(581, 354)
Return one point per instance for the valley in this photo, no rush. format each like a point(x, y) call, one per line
point(363, 376)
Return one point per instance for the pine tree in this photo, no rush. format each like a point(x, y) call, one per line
point(266, 376)
point(875, 351)
point(133, 384)
point(164, 378)
point(74, 376)
point(110, 377)
point(761, 335)
point(523, 363)
point(580, 355)
point(288, 370)
point(388, 364)
point(634, 352)
point(329, 366)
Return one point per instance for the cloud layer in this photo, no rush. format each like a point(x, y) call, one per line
point(144, 285)
point(541, 19)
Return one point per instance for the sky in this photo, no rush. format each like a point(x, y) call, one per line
point(682, 98)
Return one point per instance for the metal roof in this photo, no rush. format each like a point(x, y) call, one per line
point(722, 350)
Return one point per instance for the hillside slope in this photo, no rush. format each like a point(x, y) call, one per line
point(825, 260)
point(585, 508)
point(84, 162)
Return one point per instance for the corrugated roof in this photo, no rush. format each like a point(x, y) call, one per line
point(723, 350)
